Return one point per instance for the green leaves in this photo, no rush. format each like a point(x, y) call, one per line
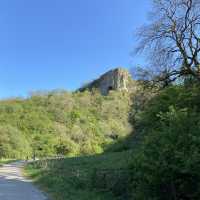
point(167, 165)
point(67, 123)
point(13, 144)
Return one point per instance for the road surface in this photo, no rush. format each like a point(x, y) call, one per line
point(13, 186)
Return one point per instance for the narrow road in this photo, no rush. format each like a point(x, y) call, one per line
point(13, 186)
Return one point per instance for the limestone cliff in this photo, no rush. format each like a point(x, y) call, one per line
point(117, 79)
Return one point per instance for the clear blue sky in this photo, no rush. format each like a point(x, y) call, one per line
point(60, 44)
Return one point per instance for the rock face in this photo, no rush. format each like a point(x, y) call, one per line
point(117, 79)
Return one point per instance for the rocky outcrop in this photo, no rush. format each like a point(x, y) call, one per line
point(117, 79)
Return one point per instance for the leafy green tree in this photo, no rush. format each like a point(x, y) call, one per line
point(167, 162)
point(67, 147)
point(13, 144)
point(67, 123)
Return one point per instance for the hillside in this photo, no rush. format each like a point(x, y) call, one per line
point(139, 144)
point(163, 163)
point(62, 123)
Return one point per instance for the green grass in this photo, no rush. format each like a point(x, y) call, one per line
point(6, 161)
point(81, 178)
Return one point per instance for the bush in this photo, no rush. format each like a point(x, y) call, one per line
point(65, 123)
point(13, 143)
point(167, 165)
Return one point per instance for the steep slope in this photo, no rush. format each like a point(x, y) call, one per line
point(62, 123)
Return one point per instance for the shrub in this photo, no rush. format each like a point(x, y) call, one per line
point(168, 161)
point(13, 143)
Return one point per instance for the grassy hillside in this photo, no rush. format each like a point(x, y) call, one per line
point(164, 165)
point(97, 177)
point(163, 159)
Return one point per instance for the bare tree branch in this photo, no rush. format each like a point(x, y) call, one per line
point(172, 39)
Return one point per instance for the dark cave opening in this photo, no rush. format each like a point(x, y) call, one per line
point(110, 88)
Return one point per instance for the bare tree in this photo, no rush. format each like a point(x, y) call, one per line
point(172, 39)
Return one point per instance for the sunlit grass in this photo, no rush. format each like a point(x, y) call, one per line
point(74, 178)
point(6, 161)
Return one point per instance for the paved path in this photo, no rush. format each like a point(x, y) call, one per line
point(13, 186)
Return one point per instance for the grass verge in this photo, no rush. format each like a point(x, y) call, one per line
point(6, 161)
point(99, 177)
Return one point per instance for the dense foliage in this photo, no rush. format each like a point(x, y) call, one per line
point(168, 160)
point(62, 123)
point(163, 163)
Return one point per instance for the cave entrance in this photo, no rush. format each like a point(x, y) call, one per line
point(110, 88)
